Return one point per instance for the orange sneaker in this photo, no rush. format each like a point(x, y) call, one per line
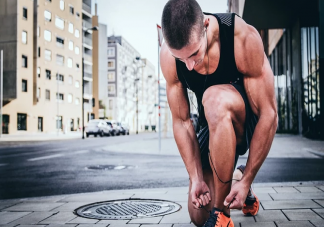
point(252, 203)
point(218, 219)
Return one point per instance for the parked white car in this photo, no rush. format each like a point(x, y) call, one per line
point(97, 127)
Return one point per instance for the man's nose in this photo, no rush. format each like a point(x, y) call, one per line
point(190, 64)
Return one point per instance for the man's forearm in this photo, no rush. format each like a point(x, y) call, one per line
point(260, 145)
point(187, 143)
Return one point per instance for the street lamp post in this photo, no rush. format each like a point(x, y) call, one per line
point(88, 29)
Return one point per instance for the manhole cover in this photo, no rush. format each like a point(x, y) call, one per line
point(127, 209)
point(110, 167)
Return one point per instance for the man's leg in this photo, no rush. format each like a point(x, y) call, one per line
point(225, 113)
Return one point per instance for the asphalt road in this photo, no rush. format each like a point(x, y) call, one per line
point(30, 169)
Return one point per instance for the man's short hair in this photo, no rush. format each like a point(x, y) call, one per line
point(179, 19)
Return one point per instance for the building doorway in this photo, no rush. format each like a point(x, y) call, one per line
point(5, 124)
point(72, 125)
point(40, 124)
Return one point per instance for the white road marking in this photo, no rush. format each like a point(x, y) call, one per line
point(81, 152)
point(45, 157)
point(3, 164)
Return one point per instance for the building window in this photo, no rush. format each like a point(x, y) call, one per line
point(59, 42)
point(47, 35)
point(77, 33)
point(70, 62)
point(59, 122)
point(111, 104)
point(71, 10)
point(77, 84)
point(47, 94)
point(38, 72)
point(38, 31)
point(77, 50)
point(24, 86)
point(24, 37)
point(48, 55)
point(59, 23)
point(25, 13)
point(77, 66)
point(70, 45)
point(77, 101)
point(21, 122)
point(111, 64)
point(48, 74)
point(78, 14)
point(111, 52)
point(61, 4)
point(70, 27)
point(70, 98)
point(59, 59)
point(38, 52)
point(48, 15)
point(59, 96)
point(70, 80)
point(60, 77)
point(24, 61)
point(111, 76)
point(111, 89)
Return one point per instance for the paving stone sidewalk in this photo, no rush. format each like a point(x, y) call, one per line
point(299, 204)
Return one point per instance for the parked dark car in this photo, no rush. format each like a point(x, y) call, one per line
point(124, 128)
point(113, 131)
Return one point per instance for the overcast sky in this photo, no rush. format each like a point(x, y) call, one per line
point(136, 21)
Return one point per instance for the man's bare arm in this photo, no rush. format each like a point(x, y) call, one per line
point(259, 86)
point(183, 130)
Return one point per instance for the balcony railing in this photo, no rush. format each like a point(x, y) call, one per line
point(86, 8)
point(88, 75)
point(86, 24)
point(87, 41)
point(87, 57)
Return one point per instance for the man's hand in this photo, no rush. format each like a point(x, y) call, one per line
point(237, 195)
point(200, 194)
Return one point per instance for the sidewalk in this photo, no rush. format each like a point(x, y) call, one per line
point(288, 204)
point(39, 136)
point(295, 204)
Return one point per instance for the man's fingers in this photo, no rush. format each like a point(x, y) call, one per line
point(208, 196)
point(196, 203)
point(204, 200)
point(229, 199)
point(235, 205)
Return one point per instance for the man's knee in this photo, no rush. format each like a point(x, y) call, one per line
point(217, 106)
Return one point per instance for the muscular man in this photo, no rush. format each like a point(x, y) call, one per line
point(221, 59)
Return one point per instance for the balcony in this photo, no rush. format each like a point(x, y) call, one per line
point(86, 24)
point(88, 75)
point(87, 57)
point(86, 8)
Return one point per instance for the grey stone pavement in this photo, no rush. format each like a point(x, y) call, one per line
point(293, 204)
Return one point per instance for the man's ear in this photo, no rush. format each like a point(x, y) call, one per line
point(206, 22)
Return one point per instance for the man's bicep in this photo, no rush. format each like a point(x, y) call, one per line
point(178, 101)
point(260, 90)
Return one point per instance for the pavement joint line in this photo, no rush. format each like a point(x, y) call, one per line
point(285, 214)
point(317, 203)
point(319, 188)
point(297, 189)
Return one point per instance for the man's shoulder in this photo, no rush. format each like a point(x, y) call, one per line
point(168, 64)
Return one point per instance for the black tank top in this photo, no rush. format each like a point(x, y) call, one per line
point(226, 72)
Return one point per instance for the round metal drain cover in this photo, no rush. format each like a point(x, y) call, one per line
point(110, 167)
point(127, 209)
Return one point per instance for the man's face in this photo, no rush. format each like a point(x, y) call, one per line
point(193, 54)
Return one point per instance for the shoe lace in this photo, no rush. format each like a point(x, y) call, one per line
point(212, 220)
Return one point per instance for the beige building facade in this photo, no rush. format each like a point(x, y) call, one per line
point(43, 82)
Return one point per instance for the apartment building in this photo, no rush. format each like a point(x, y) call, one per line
point(292, 34)
point(42, 47)
point(87, 48)
point(122, 83)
